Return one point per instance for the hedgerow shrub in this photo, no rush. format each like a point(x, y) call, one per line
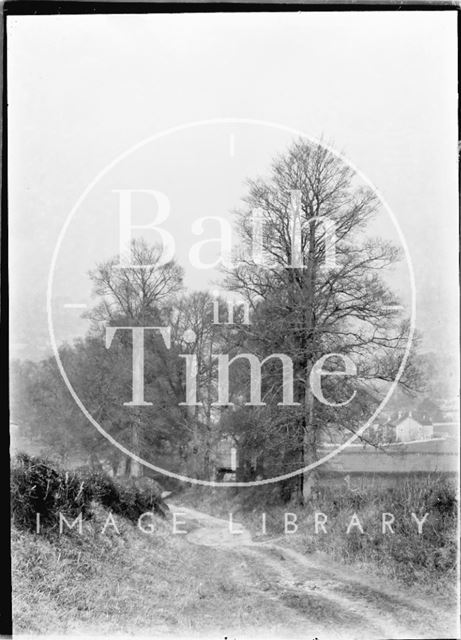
point(127, 501)
point(38, 487)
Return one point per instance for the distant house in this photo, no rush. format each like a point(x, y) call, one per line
point(413, 427)
point(429, 420)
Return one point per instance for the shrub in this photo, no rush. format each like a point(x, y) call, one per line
point(37, 487)
point(127, 501)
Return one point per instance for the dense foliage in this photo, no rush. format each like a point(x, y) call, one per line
point(37, 487)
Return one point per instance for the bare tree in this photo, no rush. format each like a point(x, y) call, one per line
point(137, 296)
point(136, 293)
point(153, 296)
point(314, 308)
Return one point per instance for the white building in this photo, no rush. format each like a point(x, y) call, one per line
point(409, 429)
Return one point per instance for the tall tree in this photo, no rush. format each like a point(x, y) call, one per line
point(305, 306)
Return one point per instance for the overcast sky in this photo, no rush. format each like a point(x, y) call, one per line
point(380, 87)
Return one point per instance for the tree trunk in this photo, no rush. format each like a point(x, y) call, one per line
point(309, 443)
point(310, 428)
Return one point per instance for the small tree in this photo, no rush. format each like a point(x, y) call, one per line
point(139, 295)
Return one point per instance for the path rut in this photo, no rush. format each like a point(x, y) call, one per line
point(332, 600)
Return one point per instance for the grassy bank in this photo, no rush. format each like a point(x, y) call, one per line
point(112, 577)
point(125, 582)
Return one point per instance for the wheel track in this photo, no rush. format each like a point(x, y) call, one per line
point(355, 607)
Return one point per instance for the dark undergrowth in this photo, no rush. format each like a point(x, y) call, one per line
point(39, 487)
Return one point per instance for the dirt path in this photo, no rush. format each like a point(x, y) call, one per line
point(320, 598)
